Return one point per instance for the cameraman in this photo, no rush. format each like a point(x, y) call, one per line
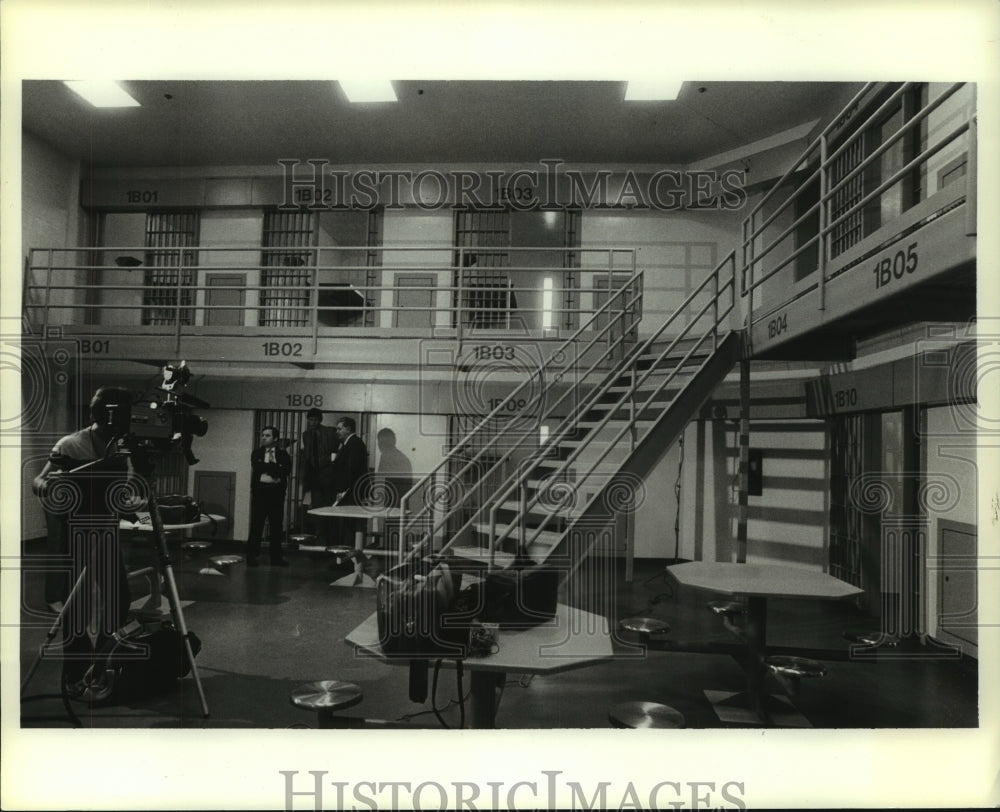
point(82, 523)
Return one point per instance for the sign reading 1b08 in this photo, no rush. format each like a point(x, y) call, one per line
point(896, 266)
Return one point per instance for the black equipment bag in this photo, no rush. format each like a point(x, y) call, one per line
point(138, 661)
point(521, 595)
point(417, 618)
point(178, 509)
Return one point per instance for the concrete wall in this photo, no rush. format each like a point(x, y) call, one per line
point(676, 250)
point(421, 230)
point(227, 447)
point(787, 523)
point(51, 218)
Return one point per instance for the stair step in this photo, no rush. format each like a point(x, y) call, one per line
point(501, 560)
point(545, 537)
point(614, 424)
point(538, 509)
point(478, 554)
point(590, 441)
point(642, 392)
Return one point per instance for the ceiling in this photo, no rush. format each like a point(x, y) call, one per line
point(247, 123)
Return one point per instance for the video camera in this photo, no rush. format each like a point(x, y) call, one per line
point(157, 421)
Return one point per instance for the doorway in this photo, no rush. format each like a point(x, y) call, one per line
point(225, 299)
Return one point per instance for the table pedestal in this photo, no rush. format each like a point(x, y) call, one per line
point(483, 696)
point(358, 577)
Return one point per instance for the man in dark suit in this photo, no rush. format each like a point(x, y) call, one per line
point(350, 468)
point(270, 467)
point(316, 470)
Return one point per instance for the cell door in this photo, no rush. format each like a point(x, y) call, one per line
point(225, 299)
point(957, 591)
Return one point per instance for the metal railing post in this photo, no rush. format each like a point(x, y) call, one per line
point(48, 292)
point(177, 309)
point(823, 217)
point(715, 309)
point(459, 329)
point(522, 509)
point(748, 286)
point(611, 332)
point(315, 307)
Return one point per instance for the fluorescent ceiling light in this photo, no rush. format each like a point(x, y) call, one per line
point(368, 90)
point(662, 90)
point(102, 93)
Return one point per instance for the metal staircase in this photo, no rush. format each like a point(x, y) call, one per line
point(620, 403)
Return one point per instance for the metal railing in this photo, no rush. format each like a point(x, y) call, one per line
point(592, 342)
point(626, 363)
point(337, 289)
point(663, 362)
point(818, 164)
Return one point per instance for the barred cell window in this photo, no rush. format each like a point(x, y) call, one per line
point(287, 268)
point(848, 230)
point(168, 292)
point(484, 287)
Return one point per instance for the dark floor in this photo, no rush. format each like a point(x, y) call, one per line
point(267, 630)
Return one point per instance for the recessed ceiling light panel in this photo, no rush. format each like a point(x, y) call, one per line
point(368, 90)
point(652, 90)
point(102, 93)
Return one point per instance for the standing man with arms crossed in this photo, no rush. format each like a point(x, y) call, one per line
point(270, 467)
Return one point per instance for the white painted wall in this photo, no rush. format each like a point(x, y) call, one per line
point(676, 250)
point(788, 523)
point(51, 218)
point(421, 230)
point(127, 231)
point(236, 229)
point(227, 447)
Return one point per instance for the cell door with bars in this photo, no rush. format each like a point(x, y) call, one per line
point(483, 294)
point(854, 531)
point(169, 276)
point(288, 264)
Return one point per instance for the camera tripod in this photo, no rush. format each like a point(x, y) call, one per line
point(164, 568)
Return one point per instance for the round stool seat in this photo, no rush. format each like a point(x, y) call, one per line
point(869, 637)
point(196, 546)
point(794, 666)
point(224, 561)
point(296, 540)
point(645, 714)
point(326, 695)
point(729, 609)
point(644, 625)
point(340, 549)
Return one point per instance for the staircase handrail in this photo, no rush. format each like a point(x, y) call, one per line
point(519, 477)
point(634, 281)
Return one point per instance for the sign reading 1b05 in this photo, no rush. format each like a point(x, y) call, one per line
point(896, 266)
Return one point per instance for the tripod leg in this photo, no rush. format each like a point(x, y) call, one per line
point(175, 608)
point(172, 596)
point(53, 631)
